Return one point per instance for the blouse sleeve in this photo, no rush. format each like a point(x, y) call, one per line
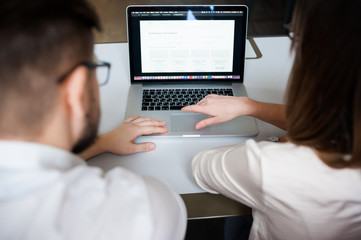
point(234, 171)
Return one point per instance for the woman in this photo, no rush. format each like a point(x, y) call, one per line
point(310, 186)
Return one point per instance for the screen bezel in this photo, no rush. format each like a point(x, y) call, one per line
point(242, 43)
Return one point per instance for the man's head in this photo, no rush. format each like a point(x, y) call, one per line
point(40, 41)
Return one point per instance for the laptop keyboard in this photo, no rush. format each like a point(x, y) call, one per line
point(175, 99)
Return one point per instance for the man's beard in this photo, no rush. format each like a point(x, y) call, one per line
point(90, 131)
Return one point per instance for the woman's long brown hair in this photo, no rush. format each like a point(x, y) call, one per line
point(324, 93)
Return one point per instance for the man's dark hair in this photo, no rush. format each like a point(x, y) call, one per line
point(324, 97)
point(39, 41)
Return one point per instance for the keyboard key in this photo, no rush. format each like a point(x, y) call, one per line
point(175, 107)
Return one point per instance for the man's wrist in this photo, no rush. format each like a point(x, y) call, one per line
point(99, 144)
point(93, 150)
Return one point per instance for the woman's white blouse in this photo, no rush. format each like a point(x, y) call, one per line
point(293, 194)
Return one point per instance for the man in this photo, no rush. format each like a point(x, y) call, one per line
point(49, 106)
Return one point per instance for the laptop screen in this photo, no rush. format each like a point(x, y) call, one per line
point(186, 43)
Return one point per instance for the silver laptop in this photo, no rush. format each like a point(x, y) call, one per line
point(178, 55)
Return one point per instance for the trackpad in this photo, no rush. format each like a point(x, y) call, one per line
point(187, 123)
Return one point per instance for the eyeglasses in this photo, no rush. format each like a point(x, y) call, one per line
point(103, 70)
point(290, 33)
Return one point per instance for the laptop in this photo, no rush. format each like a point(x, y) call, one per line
point(180, 54)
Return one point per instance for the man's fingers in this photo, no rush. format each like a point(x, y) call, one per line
point(143, 147)
point(142, 121)
point(129, 119)
point(147, 130)
point(151, 122)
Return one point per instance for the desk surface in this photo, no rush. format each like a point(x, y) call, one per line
point(265, 80)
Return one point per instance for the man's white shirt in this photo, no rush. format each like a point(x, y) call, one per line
point(49, 193)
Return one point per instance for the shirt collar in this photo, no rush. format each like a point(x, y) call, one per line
point(31, 155)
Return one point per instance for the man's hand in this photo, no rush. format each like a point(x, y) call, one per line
point(121, 139)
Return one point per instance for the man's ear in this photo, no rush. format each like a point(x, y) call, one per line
point(74, 90)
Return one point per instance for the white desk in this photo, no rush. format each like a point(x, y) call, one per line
point(265, 80)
